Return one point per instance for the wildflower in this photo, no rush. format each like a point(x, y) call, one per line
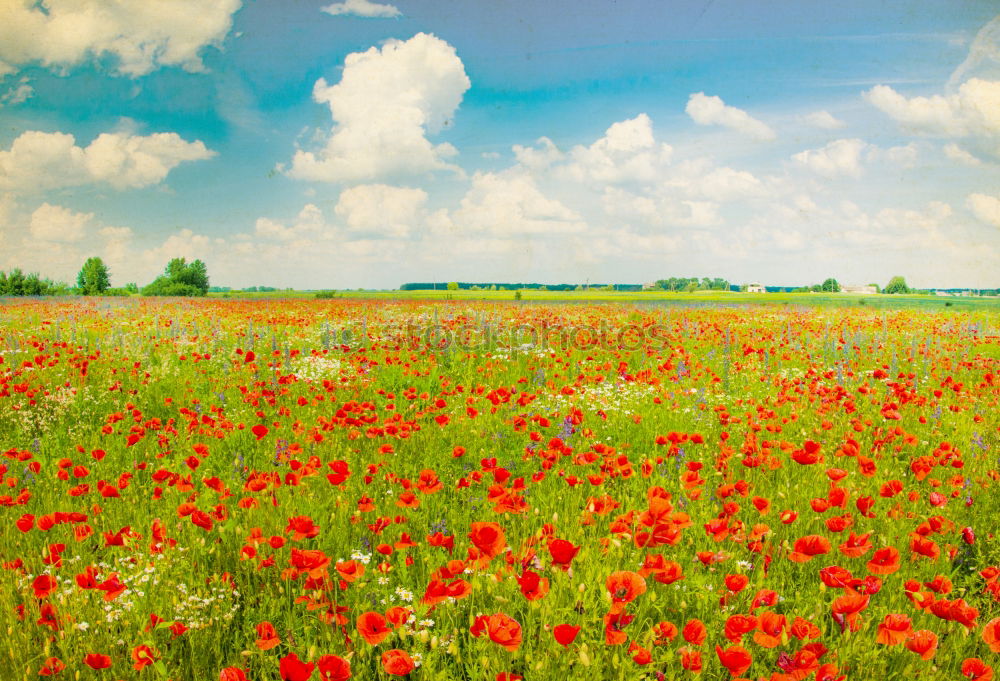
point(565, 633)
point(397, 662)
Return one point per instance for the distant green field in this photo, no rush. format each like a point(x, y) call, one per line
point(695, 298)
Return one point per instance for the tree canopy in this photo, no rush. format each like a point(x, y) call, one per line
point(94, 278)
point(180, 279)
point(896, 285)
point(17, 283)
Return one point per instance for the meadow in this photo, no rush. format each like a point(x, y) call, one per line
point(481, 490)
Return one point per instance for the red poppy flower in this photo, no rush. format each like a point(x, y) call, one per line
point(488, 537)
point(809, 546)
point(372, 628)
point(143, 656)
point(923, 642)
point(773, 630)
point(51, 667)
point(694, 632)
point(856, 546)
point(691, 659)
point(563, 552)
point(303, 527)
point(977, 670)
point(624, 586)
point(97, 661)
point(397, 616)
point(565, 633)
point(267, 637)
point(894, 629)
point(233, 674)
point(738, 625)
point(291, 668)
point(735, 658)
point(736, 583)
point(43, 585)
point(533, 586)
point(884, 561)
point(333, 668)
point(397, 662)
point(502, 630)
point(991, 634)
point(640, 655)
point(803, 629)
point(350, 570)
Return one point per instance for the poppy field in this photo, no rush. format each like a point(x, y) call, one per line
point(490, 491)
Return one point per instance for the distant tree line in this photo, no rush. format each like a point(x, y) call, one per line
point(692, 284)
point(828, 286)
point(500, 286)
point(17, 283)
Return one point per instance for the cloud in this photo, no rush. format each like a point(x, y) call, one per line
point(18, 94)
point(985, 207)
point(658, 210)
point(904, 156)
point(627, 152)
point(957, 153)
point(539, 157)
point(55, 223)
point(362, 8)
point(310, 224)
point(727, 184)
point(142, 34)
point(983, 57)
point(381, 210)
point(511, 203)
point(973, 111)
point(41, 160)
point(387, 101)
point(824, 120)
point(711, 110)
point(840, 157)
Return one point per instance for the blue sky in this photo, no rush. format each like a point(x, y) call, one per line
point(364, 144)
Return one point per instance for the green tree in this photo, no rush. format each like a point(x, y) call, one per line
point(831, 286)
point(180, 279)
point(452, 285)
point(896, 285)
point(94, 278)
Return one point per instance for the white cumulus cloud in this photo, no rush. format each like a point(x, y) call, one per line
point(711, 110)
point(55, 223)
point(42, 160)
point(957, 153)
point(840, 157)
point(985, 208)
point(511, 203)
point(141, 34)
point(381, 209)
point(362, 8)
point(628, 152)
point(387, 101)
point(974, 110)
point(825, 120)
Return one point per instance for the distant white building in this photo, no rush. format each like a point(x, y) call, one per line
point(756, 288)
point(858, 289)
